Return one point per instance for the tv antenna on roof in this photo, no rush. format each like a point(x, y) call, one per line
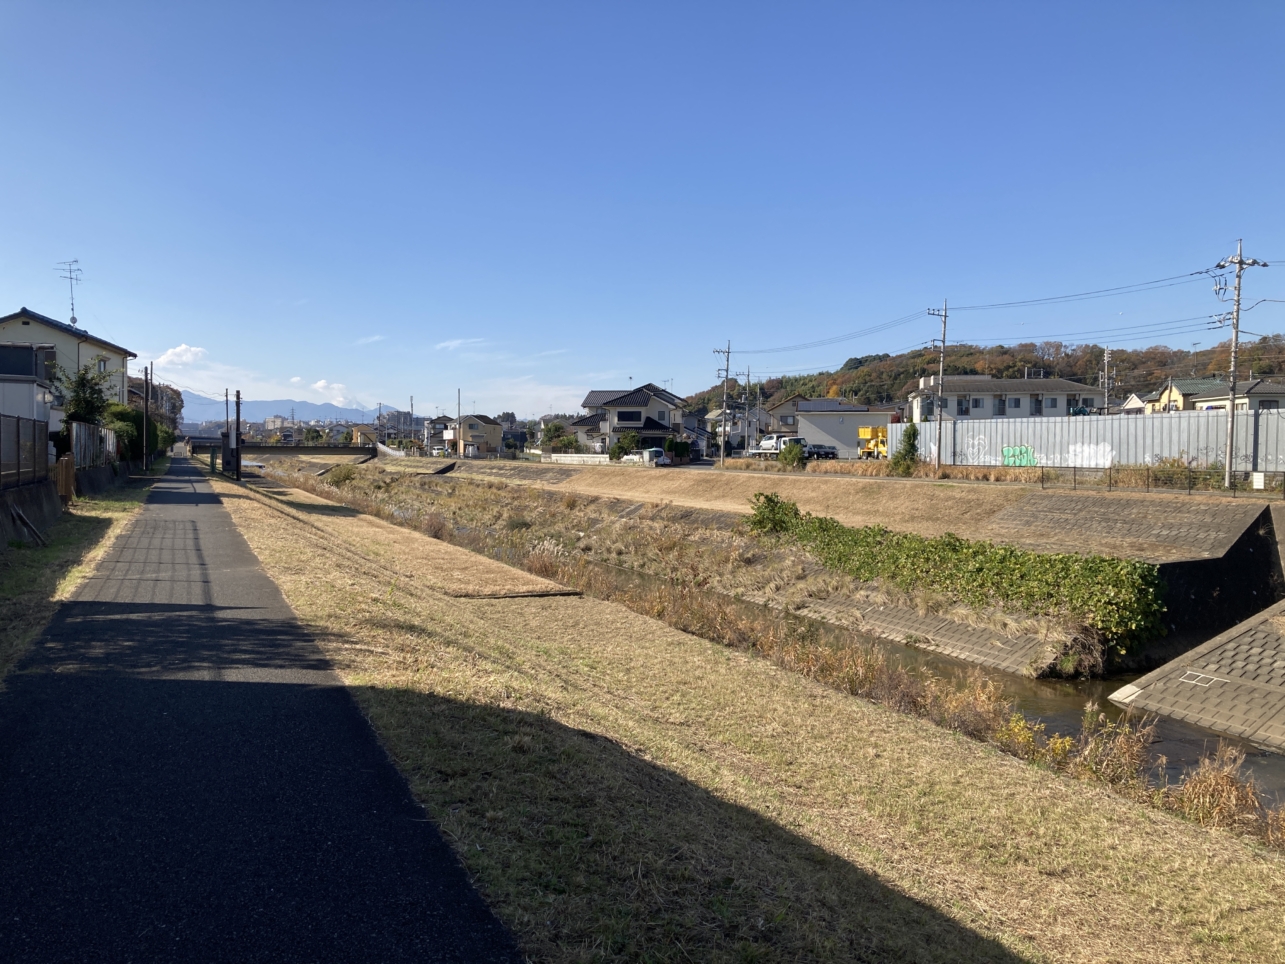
point(71, 274)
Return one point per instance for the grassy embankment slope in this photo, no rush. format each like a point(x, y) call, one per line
point(35, 579)
point(624, 791)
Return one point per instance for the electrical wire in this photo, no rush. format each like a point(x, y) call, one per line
point(1178, 279)
point(895, 323)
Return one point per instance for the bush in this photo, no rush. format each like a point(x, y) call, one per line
point(905, 458)
point(341, 474)
point(1119, 598)
point(792, 456)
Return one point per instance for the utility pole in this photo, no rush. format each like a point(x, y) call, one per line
point(941, 378)
point(236, 437)
point(459, 427)
point(147, 408)
point(722, 415)
point(1240, 262)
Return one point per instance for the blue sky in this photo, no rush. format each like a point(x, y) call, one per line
point(364, 202)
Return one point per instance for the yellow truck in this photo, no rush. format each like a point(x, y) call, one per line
point(875, 441)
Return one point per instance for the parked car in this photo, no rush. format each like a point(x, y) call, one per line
point(821, 452)
point(439, 450)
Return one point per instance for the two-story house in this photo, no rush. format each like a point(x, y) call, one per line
point(474, 434)
point(73, 348)
point(649, 410)
point(984, 396)
point(26, 382)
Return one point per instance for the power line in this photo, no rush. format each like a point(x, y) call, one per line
point(896, 322)
point(1099, 293)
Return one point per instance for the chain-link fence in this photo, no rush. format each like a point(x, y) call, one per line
point(1165, 478)
point(24, 451)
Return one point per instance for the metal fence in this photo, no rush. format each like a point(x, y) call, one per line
point(24, 451)
point(92, 445)
point(1194, 440)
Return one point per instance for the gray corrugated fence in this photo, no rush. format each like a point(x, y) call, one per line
point(24, 451)
point(1196, 439)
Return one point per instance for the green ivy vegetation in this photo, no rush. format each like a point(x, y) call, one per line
point(1120, 598)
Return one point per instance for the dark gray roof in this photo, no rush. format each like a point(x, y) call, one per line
point(1007, 386)
point(592, 420)
point(27, 313)
point(484, 419)
point(831, 405)
point(1256, 386)
point(600, 398)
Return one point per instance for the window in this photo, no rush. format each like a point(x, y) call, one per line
point(1001, 405)
point(1087, 401)
point(1050, 403)
point(1014, 403)
point(102, 365)
point(474, 426)
point(787, 419)
point(1269, 403)
point(629, 416)
point(961, 405)
point(660, 416)
point(977, 403)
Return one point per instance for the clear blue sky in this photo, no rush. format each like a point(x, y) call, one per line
point(368, 201)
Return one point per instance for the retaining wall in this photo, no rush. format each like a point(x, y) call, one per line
point(38, 501)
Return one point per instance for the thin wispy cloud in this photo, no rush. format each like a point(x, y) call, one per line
point(369, 339)
point(455, 343)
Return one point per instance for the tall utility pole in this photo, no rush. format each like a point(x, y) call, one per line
point(147, 408)
point(941, 378)
point(459, 426)
point(236, 437)
point(1240, 262)
point(722, 416)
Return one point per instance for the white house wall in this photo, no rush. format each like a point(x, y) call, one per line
point(1097, 441)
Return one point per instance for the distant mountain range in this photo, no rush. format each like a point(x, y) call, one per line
point(198, 408)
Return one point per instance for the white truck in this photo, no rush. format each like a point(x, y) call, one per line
point(771, 446)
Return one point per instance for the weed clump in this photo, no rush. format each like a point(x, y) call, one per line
point(341, 475)
point(1119, 598)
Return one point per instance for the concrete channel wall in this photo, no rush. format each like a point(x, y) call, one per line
point(38, 502)
point(1099, 441)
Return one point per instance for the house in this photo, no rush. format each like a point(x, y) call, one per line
point(364, 435)
point(984, 396)
point(1178, 394)
point(649, 410)
point(1137, 404)
point(26, 383)
point(741, 426)
point(784, 413)
point(74, 348)
point(434, 432)
point(833, 421)
point(479, 435)
point(1256, 394)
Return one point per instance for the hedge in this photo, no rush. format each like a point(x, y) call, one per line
point(1120, 598)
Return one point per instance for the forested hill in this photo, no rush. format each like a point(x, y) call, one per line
point(883, 379)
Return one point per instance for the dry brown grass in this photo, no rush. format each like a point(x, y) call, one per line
point(624, 791)
point(881, 469)
point(34, 579)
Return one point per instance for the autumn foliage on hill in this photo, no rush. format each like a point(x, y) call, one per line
point(884, 379)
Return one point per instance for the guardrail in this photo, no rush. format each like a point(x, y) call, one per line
point(24, 451)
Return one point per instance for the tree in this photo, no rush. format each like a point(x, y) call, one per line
point(345, 437)
point(84, 395)
point(792, 456)
point(628, 442)
point(905, 458)
point(312, 436)
point(552, 432)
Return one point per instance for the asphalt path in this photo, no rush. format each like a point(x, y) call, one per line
point(182, 778)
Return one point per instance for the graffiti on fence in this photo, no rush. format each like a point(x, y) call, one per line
point(975, 450)
point(1019, 455)
point(1091, 455)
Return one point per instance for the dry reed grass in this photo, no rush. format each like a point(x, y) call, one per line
point(1114, 753)
point(881, 469)
point(622, 791)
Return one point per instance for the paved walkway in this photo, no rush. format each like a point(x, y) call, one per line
point(183, 779)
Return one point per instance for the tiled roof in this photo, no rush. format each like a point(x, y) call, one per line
point(1258, 386)
point(27, 313)
point(831, 405)
point(600, 398)
point(1007, 386)
point(592, 420)
point(1194, 386)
